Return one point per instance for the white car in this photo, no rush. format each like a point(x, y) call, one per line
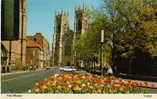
point(67, 68)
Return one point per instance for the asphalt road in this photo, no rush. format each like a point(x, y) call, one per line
point(21, 83)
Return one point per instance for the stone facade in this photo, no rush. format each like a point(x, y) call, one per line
point(64, 38)
point(68, 48)
point(17, 48)
point(80, 27)
point(81, 20)
point(4, 58)
point(61, 27)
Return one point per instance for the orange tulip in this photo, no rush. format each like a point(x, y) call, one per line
point(117, 85)
point(44, 87)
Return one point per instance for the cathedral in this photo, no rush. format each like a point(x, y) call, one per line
point(64, 37)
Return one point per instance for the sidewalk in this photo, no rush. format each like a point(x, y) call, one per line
point(139, 77)
point(20, 72)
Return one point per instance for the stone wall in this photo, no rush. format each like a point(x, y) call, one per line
point(16, 50)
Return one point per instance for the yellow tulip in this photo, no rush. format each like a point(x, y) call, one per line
point(49, 83)
point(77, 88)
point(37, 90)
point(59, 87)
point(44, 87)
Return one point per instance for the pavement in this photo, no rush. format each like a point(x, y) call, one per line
point(21, 82)
point(18, 72)
point(140, 77)
point(22, 72)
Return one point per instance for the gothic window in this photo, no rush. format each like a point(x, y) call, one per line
point(79, 24)
point(156, 14)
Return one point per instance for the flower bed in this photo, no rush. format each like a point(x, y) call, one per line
point(86, 83)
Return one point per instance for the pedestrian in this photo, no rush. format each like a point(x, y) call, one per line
point(109, 71)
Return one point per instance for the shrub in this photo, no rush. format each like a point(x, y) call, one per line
point(17, 65)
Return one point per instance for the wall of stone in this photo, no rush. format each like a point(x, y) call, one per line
point(16, 50)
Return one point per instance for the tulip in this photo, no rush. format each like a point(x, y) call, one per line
point(59, 87)
point(44, 87)
point(117, 85)
point(85, 83)
point(78, 82)
point(69, 86)
point(76, 88)
point(37, 84)
point(37, 90)
point(49, 83)
point(29, 91)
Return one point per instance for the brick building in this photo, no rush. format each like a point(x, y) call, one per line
point(34, 54)
point(45, 47)
point(37, 47)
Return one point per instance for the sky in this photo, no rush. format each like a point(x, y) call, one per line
point(41, 14)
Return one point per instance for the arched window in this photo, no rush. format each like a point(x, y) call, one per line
point(4, 55)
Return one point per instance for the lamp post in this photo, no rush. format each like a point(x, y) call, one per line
point(101, 51)
point(74, 58)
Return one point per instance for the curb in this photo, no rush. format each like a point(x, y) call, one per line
point(21, 72)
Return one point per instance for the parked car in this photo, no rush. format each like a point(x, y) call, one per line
point(67, 68)
point(47, 68)
point(32, 68)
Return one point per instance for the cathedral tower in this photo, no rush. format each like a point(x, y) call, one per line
point(60, 28)
point(81, 20)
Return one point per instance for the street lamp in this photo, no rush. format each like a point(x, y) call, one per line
point(101, 51)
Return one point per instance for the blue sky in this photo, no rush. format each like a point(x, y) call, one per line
point(41, 14)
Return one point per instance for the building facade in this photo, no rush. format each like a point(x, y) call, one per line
point(81, 20)
point(60, 28)
point(14, 20)
point(34, 54)
point(80, 27)
point(64, 37)
point(45, 48)
point(37, 47)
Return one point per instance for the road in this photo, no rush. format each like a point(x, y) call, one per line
point(21, 83)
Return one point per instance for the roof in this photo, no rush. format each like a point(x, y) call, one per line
point(32, 44)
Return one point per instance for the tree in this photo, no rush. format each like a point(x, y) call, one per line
point(88, 46)
point(134, 32)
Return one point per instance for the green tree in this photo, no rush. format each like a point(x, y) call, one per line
point(134, 32)
point(88, 46)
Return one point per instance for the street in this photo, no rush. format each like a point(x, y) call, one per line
point(21, 83)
